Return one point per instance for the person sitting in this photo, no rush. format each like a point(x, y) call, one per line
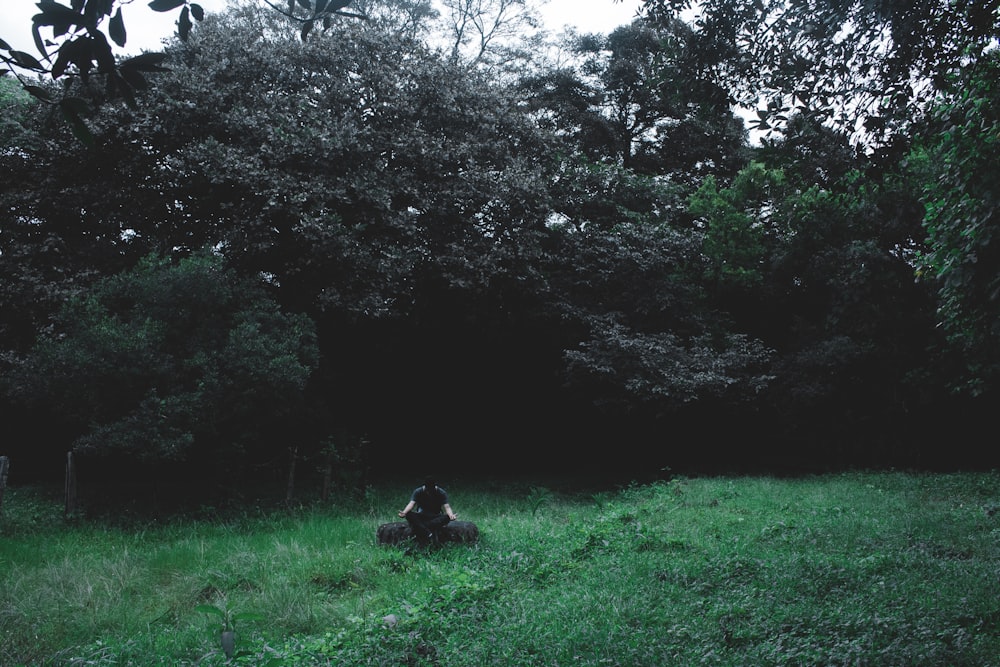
point(428, 511)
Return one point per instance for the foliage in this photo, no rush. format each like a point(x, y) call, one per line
point(171, 361)
point(483, 245)
point(73, 43)
point(856, 568)
point(863, 62)
point(486, 33)
point(735, 223)
point(959, 163)
point(76, 46)
point(636, 98)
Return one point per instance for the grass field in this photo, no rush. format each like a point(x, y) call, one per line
point(846, 569)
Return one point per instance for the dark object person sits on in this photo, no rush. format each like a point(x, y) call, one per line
point(428, 511)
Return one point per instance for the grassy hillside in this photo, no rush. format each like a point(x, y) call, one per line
point(849, 569)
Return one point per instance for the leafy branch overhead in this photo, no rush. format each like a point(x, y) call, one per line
point(76, 41)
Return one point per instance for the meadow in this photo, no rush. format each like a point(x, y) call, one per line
point(858, 568)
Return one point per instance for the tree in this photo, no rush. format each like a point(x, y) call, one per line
point(480, 31)
point(958, 160)
point(74, 42)
point(636, 98)
point(395, 196)
point(820, 269)
point(865, 65)
point(170, 362)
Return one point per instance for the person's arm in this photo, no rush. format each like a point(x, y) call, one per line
point(407, 509)
point(447, 510)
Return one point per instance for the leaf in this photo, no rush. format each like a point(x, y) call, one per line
point(4, 45)
point(63, 59)
point(116, 28)
point(184, 24)
point(117, 81)
point(210, 609)
point(306, 28)
point(76, 104)
point(27, 61)
point(198, 12)
point(79, 128)
point(134, 78)
point(55, 14)
point(146, 62)
point(37, 37)
point(39, 92)
point(103, 54)
point(165, 5)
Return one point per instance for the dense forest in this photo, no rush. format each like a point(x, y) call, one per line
point(392, 234)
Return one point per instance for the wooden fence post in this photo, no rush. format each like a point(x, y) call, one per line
point(4, 467)
point(70, 485)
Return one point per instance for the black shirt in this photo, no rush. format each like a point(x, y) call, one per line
point(429, 500)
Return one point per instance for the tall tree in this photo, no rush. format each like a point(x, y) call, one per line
point(959, 162)
point(870, 65)
point(636, 98)
point(394, 195)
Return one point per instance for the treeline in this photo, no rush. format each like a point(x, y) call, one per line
point(358, 252)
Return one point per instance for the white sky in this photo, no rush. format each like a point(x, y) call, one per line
point(146, 28)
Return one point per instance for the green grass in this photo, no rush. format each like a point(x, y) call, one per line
point(849, 569)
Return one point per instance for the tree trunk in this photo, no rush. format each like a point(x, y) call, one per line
point(456, 531)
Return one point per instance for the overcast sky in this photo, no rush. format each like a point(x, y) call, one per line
point(146, 28)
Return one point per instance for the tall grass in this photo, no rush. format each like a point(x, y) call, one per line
point(849, 569)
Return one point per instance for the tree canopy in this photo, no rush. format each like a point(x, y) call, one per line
point(298, 245)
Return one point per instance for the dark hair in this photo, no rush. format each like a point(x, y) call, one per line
point(430, 482)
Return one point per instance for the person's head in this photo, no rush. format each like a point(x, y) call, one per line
point(430, 482)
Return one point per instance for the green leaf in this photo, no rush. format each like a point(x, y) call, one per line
point(165, 5)
point(79, 128)
point(27, 60)
point(210, 609)
point(146, 62)
point(57, 15)
point(62, 59)
point(125, 88)
point(116, 28)
point(134, 78)
point(39, 92)
point(184, 24)
point(76, 104)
